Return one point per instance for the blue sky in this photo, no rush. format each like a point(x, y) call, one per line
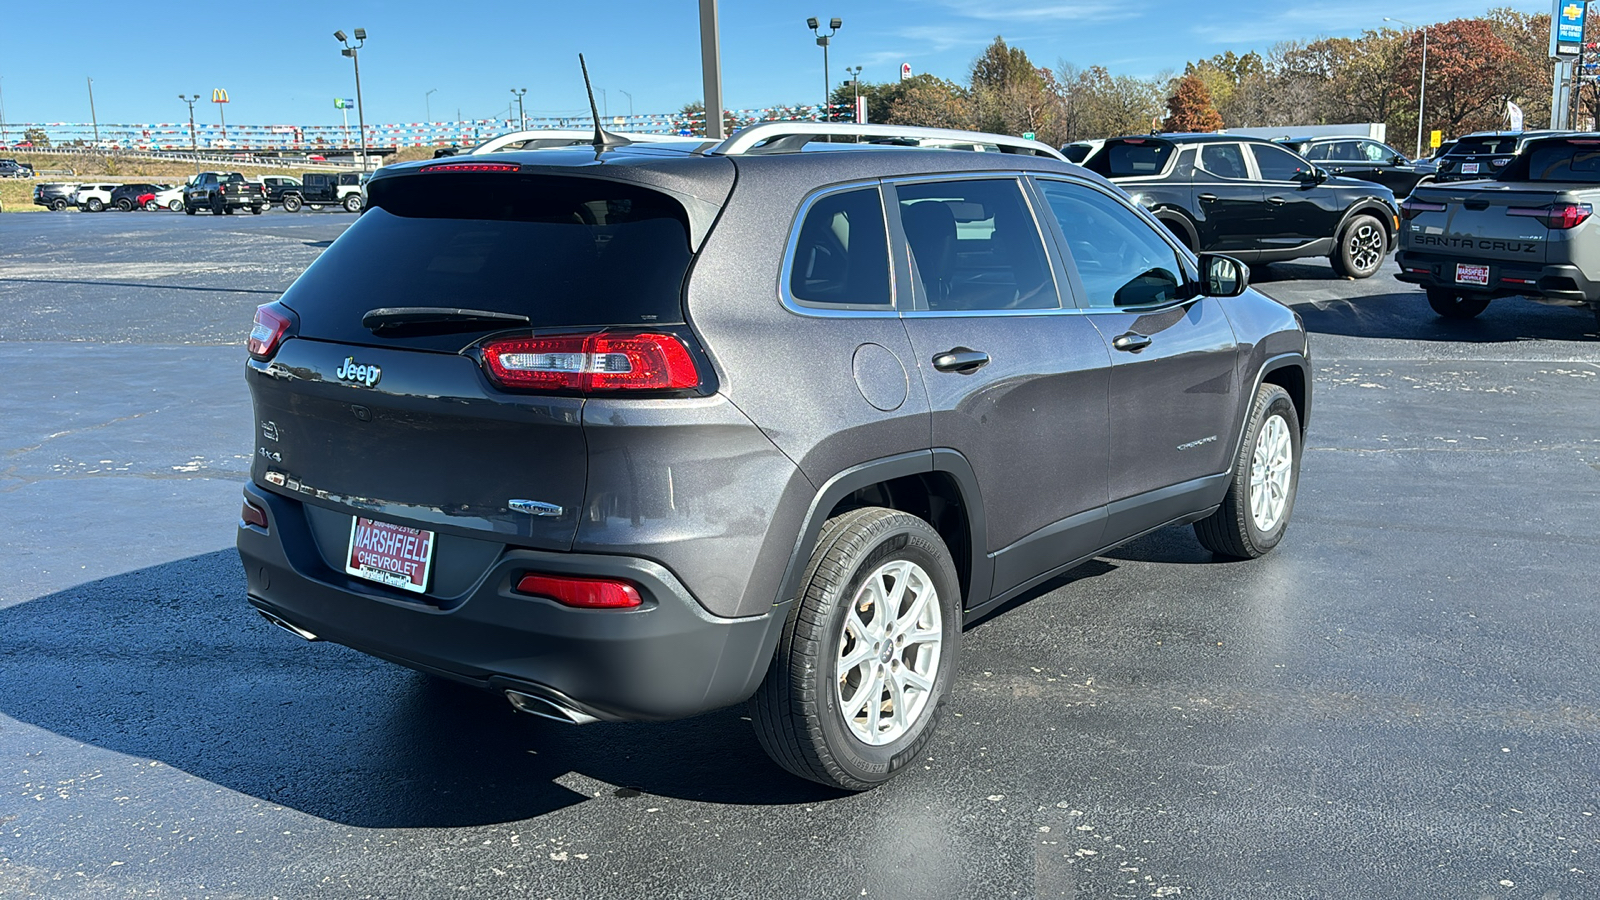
point(282, 65)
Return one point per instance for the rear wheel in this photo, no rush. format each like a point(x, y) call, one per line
point(189, 210)
point(291, 203)
point(95, 205)
point(866, 655)
point(256, 210)
point(151, 205)
point(1266, 474)
point(58, 204)
point(314, 206)
point(1362, 247)
point(175, 205)
point(125, 205)
point(1456, 305)
point(352, 203)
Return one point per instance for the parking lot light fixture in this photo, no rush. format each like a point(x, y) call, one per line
point(353, 51)
point(822, 41)
point(1422, 83)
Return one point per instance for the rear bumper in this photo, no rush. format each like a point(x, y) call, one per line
point(1506, 279)
point(665, 660)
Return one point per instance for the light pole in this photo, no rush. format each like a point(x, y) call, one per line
point(822, 41)
point(1422, 85)
point(711, 68)
point(522, 117)
point(92, 117)
point(855, 83)
point(361, 113)
point(194, 141)
point(427, 105)
point(2, 112)
point(619, 90)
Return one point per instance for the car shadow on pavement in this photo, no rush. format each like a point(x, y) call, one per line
point(1404, 314)
point(169, 663)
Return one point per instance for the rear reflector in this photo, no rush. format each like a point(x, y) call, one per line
point(473, 167)
point(271, 325)
point(582, 593)
point(252, 514)
point(602, 361)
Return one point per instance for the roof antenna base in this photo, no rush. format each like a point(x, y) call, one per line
point(603, 140)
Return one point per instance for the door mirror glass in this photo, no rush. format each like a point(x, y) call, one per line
point(1223, 276)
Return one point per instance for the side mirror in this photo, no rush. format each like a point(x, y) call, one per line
point(1317, 175)
point(1223, 276)
point(1400, 160)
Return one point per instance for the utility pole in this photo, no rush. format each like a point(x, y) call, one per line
point(2, 111)
point(522, 117)
point(194, 141)
point(92, 117)
point(711, 68)
point(619, 90)
point(427, 105)
point(1422, 86)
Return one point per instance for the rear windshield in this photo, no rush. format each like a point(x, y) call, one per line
point(561, 251)
point(1564, 162)
point(1140, 157)
point(1474, 146)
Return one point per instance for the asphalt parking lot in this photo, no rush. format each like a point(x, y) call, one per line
point(1402, 701)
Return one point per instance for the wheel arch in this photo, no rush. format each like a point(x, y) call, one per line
point(1375, 208)
point(1289, 372)
point(937, 486)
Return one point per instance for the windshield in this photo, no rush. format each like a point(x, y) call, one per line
point(1130, 157)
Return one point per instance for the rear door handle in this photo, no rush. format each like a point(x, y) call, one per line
point(1131, 342)
point(1276, 201)
point(962, 360)
point(1208, 196)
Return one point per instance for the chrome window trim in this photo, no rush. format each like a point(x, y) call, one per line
point(1053, 261)
point(837, 311)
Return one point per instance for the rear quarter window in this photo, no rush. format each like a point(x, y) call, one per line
point(1130, 158)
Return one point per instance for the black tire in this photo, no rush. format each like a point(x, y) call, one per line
point(1596, 310)
point(58, 204)
point(315, 207)
point(125, 205)
point(291, 203)
point(94, 204)
point(228, 210)
point(1456, 305)
point(797, 710)
point(1362, 247)
point(189, 210)
point(256, 210)
point(1232, 530)
point(175, 205)
point(151, 206)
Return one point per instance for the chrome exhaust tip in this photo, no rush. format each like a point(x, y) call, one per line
point(547, 708)
point(295, 630)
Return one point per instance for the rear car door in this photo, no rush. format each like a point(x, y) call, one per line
point(1015, 385)
point(1174, 392)
point(1297, 210)
point(1228, 201)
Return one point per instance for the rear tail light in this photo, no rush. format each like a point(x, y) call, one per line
point(1412, 208)
point(271, 327)
point(582, 593)
point(602, 361)
point(1560, 216)
point(252, 514)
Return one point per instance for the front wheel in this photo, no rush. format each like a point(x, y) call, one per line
point(291, 203)
point(867, 652)
point(1456, 305)
point(1362, 246)
point(1266, 474)
point(95, 205)
point(315, 207)
point(151, 206)
point(352, 203)
point(125, 205)
point(175, 205)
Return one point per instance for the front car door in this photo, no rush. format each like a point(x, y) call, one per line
point(1014, 384)
point(1174, 379)
point(1228, 202)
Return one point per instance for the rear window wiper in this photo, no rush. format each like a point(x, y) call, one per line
point(415, 320)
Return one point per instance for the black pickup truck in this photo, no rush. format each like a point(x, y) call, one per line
point(222, 193)
point(319, 189)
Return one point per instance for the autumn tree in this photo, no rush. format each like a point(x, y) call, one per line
point(1190, 108)
point(932, 103)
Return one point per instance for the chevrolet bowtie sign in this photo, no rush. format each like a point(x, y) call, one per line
point(1566, 29)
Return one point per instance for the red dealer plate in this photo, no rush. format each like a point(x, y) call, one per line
point(389, 554)
point(1466, 274)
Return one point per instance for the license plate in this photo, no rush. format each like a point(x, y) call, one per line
point(1469, 168)
point(1466, 274)
point(395, 555)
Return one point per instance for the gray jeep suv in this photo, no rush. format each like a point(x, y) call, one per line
point(636, 432)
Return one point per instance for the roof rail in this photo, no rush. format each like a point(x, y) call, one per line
point(566, 137)
point(789, 137)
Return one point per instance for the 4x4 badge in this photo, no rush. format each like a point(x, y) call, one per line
point(367, 375)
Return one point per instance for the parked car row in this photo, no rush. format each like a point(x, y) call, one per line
point(221, 193)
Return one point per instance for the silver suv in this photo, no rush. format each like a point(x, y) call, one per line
point(636, 432)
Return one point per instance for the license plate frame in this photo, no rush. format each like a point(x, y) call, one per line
point(1470, 273)
point(1470, 168)
point(398, 556)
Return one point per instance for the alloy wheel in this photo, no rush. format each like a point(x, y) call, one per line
point(889, 652)
point(1271, 469)
point(1366, 247)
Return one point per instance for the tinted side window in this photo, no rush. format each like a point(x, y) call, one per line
point(1278, 164)
point(1224, 160)
point(1319, 152)
point(1376, 152)
point(976, 246)
point(1119, 257)
point(842, 253)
